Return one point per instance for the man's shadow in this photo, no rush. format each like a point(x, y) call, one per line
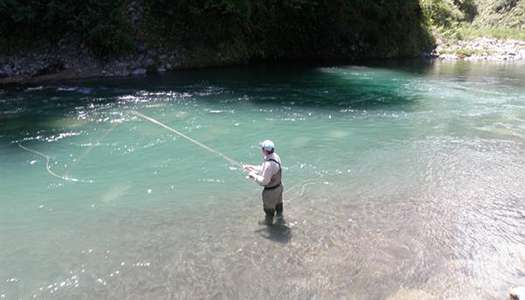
point(277, 232)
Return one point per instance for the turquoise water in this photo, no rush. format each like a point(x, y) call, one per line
point(400, 178)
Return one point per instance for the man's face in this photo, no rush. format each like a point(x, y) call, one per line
point(263, 152)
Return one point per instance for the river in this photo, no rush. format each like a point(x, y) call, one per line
point(403, 180)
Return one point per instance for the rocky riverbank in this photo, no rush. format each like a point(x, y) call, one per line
point(481, 49)
point(41, 40)
point(70, 58)
point(63, 62)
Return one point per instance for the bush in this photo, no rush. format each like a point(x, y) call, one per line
point(441, 13)
point(260, 29)
point(195, 22)
point(502, 6)
point(289, 28)
point(102, 25)
point(468, 8)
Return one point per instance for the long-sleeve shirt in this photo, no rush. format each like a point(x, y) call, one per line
point(267, 169)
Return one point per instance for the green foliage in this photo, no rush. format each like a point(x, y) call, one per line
point(441, 13)
point(195, 22)
point(468, 8)
point(273, 29)
point(468, 19)
point(504, 5)
point(470, 32)
point(101, 25)
point(223, 30)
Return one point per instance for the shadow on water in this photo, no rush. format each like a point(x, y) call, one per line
point(277, 232)
point(51, 107)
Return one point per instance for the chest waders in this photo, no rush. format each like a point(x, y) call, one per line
point(272, 195)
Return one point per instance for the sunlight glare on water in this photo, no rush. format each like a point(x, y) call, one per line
point(400, 179)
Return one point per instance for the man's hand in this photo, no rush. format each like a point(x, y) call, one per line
point(252, 174)
point(248, 168)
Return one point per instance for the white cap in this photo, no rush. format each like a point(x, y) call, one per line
point(267, 145)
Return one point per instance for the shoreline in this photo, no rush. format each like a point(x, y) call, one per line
point(480, 49)
point(63, 63)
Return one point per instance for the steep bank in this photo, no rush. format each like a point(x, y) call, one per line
point(43, 39)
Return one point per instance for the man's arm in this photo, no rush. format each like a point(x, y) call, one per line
point(265, 174)
point(251, 168)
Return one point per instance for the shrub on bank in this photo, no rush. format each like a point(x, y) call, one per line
point(467, 19)
point(274, 29)
point(236, 29)
point(102, 26)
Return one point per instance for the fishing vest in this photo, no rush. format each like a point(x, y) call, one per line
point(275, 181)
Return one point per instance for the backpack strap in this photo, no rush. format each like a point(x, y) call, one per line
point(278, 163)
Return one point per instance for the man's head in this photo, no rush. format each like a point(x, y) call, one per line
point(267, 147)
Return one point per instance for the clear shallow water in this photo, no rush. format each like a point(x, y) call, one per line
point(401, 180)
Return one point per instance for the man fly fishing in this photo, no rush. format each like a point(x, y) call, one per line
point(268, 174)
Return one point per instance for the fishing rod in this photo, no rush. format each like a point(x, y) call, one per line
point(208, 148)
point(90, 148)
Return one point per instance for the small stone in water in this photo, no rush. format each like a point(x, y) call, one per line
point(149, 191)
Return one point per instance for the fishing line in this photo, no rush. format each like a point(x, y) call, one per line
point(225, 157)
point(83, 155)
point(48, 168)
point(303, 186)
